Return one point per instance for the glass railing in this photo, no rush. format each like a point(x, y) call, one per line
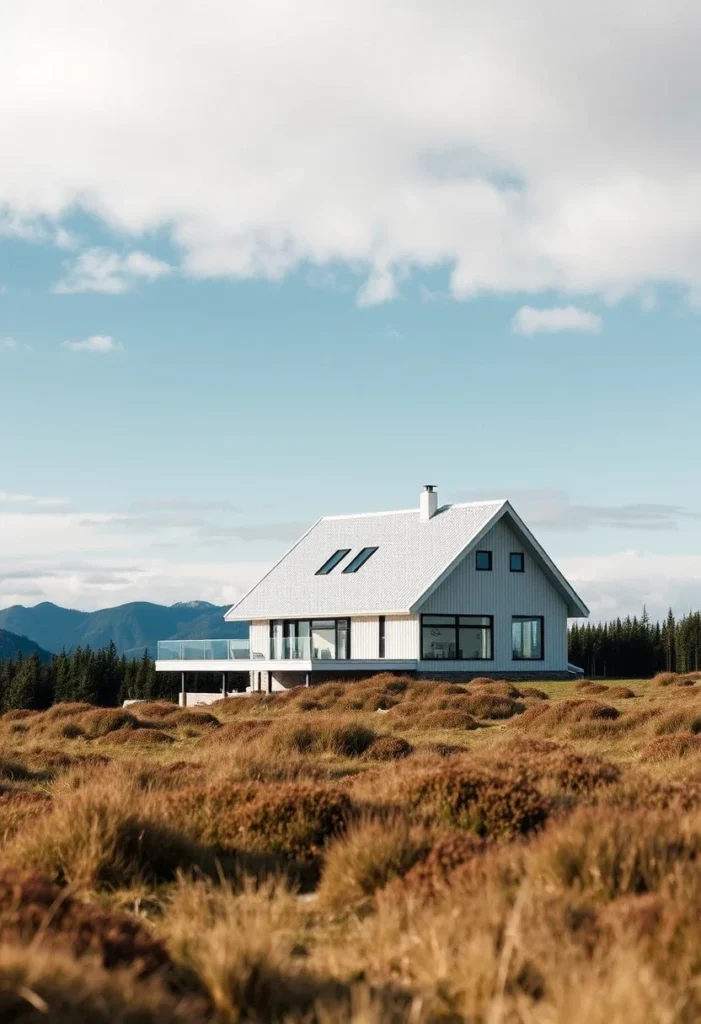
point(272, 648)
point(204, 650)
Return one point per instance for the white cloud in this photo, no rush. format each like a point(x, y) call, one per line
point(10, 498)
point(99, 343)
point(8, 344)
point(528, 320)
point(102, 270)
point(504, 141)
point(621, 583)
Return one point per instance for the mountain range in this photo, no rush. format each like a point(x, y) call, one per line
point(132, 627)
point(12, 645)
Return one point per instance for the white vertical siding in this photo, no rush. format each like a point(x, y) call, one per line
point(259, 634)
point(401, 637)
point(365, 637)
point(503, 594)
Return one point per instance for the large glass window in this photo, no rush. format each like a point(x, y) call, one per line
point(516, 561)
point(457, 637)
point(360, 559)
point(332, 562)
point(527, 637)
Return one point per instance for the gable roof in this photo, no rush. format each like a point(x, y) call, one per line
point(413, 557)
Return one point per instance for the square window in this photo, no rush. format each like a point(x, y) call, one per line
point(483, 561)
point(516, 561)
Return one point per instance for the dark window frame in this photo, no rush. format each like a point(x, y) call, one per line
point(481, 568)
point(332, 561)
point(358, 561)
point(517, 554)
point(529, 618)
point(456, 626)
point(382, 636)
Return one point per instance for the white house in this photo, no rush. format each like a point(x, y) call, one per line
point(451, 590)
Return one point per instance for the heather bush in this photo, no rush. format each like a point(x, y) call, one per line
point(66, 709)
point(138, 737)
point(31, 907)
point(447, 852)
point(18, 807)
point(293, 820)
point(101, 721)
point(673, 747)
point(491, 705)
point(443, 720)
point(559, 716)
point(240, 729)
point(388, 748)
point(495, 687)
point(499, 804)
point(190, 719)
point(587, 686)
point(323, 735)
point(665, 679)
point(153, 709)
point(19, 714)
point(620, 693)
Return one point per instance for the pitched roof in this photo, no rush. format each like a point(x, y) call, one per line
point(412, 557)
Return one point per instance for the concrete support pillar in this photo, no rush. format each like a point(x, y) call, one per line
point(306, 679)
point(223, 684)
point(183, 690)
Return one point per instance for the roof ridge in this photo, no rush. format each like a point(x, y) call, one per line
point(405, 511)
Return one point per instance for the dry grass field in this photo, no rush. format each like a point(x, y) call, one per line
point(391, 850)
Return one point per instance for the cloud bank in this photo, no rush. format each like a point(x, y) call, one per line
point(526, 148)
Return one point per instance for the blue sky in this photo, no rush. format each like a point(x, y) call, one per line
point(210, 337)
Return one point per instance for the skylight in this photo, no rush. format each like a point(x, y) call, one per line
point(332, 562)
point(360, 559)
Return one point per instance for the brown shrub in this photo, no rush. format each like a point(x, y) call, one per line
point(620, 693)
point(388, 748)
point(501, 804)
point(289, 819)
point(587, 686)
point(234, 732)
point(137, 737)
point(646, 794)
point(31, 904)
point(488, 705)
point(153, 709)
point(680, 719)
point(66, 709)
point(496, 687)
point(445, 720)
point(323, 735)
point(18, 714)
point(192, 719)
point(101, 721)
point(671, 748)
point(448, 852)
point(665, 679)
point(555, 716)
point(533, 692)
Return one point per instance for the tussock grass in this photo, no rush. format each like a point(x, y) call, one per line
point(352, 853)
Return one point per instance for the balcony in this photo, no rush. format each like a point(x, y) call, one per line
point(273, 649)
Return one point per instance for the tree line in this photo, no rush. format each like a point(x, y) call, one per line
point(101, 677)
point(637, 648)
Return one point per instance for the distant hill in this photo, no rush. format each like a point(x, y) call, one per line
point(11, 645)
point(132, 627)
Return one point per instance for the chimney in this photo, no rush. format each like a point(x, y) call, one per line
point(428, 503)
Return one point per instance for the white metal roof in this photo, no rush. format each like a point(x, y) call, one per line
point(413, 556)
